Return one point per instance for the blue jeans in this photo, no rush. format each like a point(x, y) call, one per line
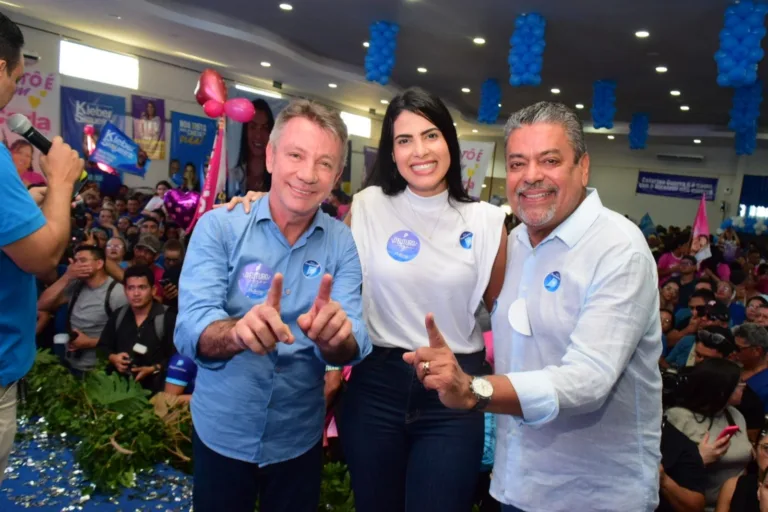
point(221, 483)
point(405, 450)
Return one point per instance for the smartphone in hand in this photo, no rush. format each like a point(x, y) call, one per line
point(728, 431)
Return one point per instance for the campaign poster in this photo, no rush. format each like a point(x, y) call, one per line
point(148, 116)
point(80, 108)
point(192, 140)
point(37, 97)
point(369, 159)
point(118, 151)
point(672, 185)
point(476, 158)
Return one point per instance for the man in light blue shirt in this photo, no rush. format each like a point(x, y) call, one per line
point(266, 302)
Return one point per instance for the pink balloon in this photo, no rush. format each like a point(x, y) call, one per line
point(240, 110)
point(181, 206)
point(213, 108)
point(88, 129)
point(210, 86)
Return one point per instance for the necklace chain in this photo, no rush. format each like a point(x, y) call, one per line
point(434, 227)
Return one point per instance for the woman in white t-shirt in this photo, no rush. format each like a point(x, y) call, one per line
point(425, 247)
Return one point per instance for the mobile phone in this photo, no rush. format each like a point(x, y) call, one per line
point(165, 282)
point(728, 431)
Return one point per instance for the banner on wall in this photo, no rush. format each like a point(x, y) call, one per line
point(346, 173)
point(80, 108)
point(118, 151)
point(192, 140)
point(149, 125)
point(37, 97)
point(476, 158)
point(672, 185)
point(369, 159)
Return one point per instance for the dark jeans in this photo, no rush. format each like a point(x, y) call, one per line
point(221, 483)
point(405, 450)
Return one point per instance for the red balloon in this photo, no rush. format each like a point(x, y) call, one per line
point(210, 86)
point(240, 110)
point(213, 108)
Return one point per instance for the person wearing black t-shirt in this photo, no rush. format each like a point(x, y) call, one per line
point(682, 475)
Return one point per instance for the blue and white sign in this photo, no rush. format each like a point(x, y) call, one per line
point(311, 269)
point(119, 151)
point(255, 280)
point(466, 239)
point(671, 185)
point(552, 281)
point(192, 139)
point(80, 108)
point(403, 246)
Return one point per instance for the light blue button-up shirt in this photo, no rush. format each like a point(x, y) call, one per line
point(586, 371)
point(263, 409)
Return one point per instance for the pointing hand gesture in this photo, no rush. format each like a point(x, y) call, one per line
point(326, 323)
point(261, 328)
point(437, 369)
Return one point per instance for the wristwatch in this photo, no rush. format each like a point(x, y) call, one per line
point(483, 391)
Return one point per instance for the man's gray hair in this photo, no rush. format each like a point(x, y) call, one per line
point(754, 335)
point(552, 113)
point(326, 118)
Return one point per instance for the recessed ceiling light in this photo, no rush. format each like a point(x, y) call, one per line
point(611, 137)
point(465, 90)
point(685, 108)
point(484, 185)
point(384, 102)
point(421, 70)
point(116, 16)
point(474, 131)
point(697, 141)
point(642, 34)
point(674, 93)
point(478, 41)
point(661, 69)
point(579, 106)
point(266, 64)
point(499, 105)
point(332, 86)
point(454, 124)
point(286, 7)
point(366, 44)
point(555, 91)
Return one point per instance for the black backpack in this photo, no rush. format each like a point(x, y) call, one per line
point(159, 321)
point(78, 289)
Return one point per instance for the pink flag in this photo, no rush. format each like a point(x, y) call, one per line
point(215, 178)
point(700, 242)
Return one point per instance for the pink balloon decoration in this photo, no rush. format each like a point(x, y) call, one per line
point(210, 86)
point(213, 108)
point(181, 206)
point(88, 130)
point(240, 110)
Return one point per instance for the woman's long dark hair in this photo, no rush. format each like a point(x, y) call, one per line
point(261, 106)
point(708, 386)
point(418, 101)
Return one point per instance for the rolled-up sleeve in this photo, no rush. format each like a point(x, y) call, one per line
point(202, 288)
point(347, 291)
point(616, 314)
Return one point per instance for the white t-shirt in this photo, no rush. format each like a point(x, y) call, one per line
point(424, 255)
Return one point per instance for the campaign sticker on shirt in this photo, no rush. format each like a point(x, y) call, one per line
point(552, 281)
point(403, 246)
point(466, 239)
point(311, 269)
point(255, 280)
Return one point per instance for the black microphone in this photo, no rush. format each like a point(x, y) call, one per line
point(21, 125)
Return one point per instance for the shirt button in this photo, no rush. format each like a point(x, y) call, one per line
point(288, 291)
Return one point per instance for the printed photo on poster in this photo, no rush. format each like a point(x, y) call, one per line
point(37, 97)
point(80, 108)
point(149, 125)
point(192, 140)
point(476, 158)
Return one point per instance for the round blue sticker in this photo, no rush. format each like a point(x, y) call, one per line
point(466, 239)
point(552, 281)
point(311, 269)
point(255, 280)
point(403, 246)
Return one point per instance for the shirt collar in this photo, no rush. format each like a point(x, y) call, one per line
point(263, 213)
point(575, 226)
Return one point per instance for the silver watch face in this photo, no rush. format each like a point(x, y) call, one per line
point(482, 387)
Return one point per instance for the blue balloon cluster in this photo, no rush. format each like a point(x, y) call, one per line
point(749, 225)
point(740, 44)
point(603, 104)
point(490, 101)
point(638, 131)
point(744, 115)
point(380, 59)
point(526, 57)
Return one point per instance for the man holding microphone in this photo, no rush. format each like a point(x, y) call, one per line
point(577, 338)
point(31, 241)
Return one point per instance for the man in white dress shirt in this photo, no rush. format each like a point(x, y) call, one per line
point(577, 338)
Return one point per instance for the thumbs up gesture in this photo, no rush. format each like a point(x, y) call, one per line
point(437, 369)
point(326, 323)
point(262, 328)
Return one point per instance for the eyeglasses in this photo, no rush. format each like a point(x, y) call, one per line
point(713, 338)
point(114, 246)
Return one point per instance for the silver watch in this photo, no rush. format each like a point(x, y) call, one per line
point(483, 391)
